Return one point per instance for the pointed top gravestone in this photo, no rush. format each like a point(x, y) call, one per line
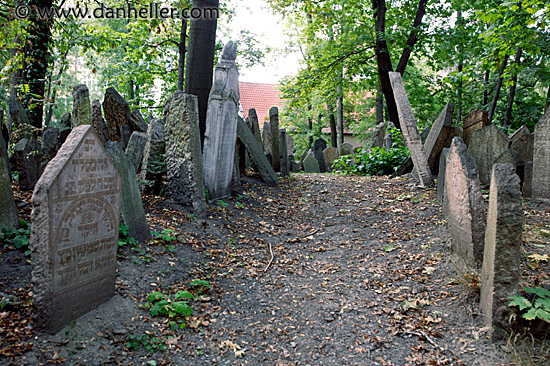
point(221, 126)
point(541, 160)
point(74, 235)
point(319, 146)
point(253, 118)
point(522, 141)
point(82, 110)
point(117, 113)
point(440, 135)
point(311, 165)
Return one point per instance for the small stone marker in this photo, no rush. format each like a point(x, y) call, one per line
point(464, 204)
point(541, 159)
point(440, 136)
point(275, 151)
point(82, 111)
point(74, 235)
point(346, 149)
point(132, 205)
point(502, 255)
point(117, 113)
point(476, 120)
point(50, 145)
point(98, 122)
point(410, 130)
point(311, 165)
point(136, 148)
point(253, 118)
point(377, 138)
point(441, 175)
point(522, 141)
point(486, 145)
point(8, 211)
point(26, 159)
point(256, 154)
point(221, 126)
point(285, 164)
point(330, 154)
point(319, 146)
point(183, 151)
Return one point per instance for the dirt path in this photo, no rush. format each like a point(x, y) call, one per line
point(361, 275)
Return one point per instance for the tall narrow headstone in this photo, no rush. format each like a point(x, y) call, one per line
point(183, 151)
point(253, 118)
point(8, 211)
point(117, 113)
point(221, 126)
point(528, 179)
point(441, 175)
point(98, 122)
point(440, 136)
point(74, 235)
point(502, 256)
point(82, 110)
point(486, 145)
point(266, 138)
point(319, 146)
point(152, 166)
point(285, 164)
point(464, 205)
point(377, 138)
point(137, 122)
point(49, 146)
point(275, 151)
point(135, 149)
point(476, 120)
point(27, 162)
point(541, 159)
point(522, 141)
point(289, 144)
point(410, 130)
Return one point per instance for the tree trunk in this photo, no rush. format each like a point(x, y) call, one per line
point(547, 99)
point(200, 59)
point(182, 51)
point(420, 11)
point(379, 106)
point(512, 95)
point(333, 133)
point(486, 88)
point(497, 89)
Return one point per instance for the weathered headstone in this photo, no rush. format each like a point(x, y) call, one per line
point(410, 130)
point(311, 165)
point(330, 154)
point(502, 256)
point(266, 138)
point(132, 210)
point(528, 179)
point(541, 159)
point(289, 145)
point(476, 120)
point(64, 128)
point(424, 134)
point(463, 203)
point(152, 166)
point(319, 146)
point(98, 122)
point(275, 152)
point(511, 156)
point(346, 149)
point(183, 151)
point(253, 118)
point(82, 111)
point(27, 162)
point(8, 211)
point(440, 136)
point(221, 126)
point(458, 132)
point(388, 138)
point(74, 235)
point(377, 138)
point(441, 175)
point(137, 122)
point(522, 141)
point(49, 147)
point(285, 164)
point(295, 165)
point(135, 149)
point(486, 145)
point(256, 154)
point(117, 113)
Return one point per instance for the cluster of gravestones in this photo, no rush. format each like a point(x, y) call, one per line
point(466, 160)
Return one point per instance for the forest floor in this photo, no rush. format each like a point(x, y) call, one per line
point(361, 274)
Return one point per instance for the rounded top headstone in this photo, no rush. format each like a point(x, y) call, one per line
point(229, 52)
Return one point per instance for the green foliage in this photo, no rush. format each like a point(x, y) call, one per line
point(17, 238)
point(202, 286)
point(223, 205)
point(149, 343)
point(125, 240)
point(174, 309)
point(165, 235)
point(536, 308)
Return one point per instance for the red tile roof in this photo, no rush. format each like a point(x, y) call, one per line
point(261, 97)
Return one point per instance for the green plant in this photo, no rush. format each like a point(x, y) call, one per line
point(125, 240)
point(222, 204)
point(149, 343)
point(202, 285)
point(535, 305)
point(17, 238)
point(239, 205)
point(175, 309)
point(165, 235)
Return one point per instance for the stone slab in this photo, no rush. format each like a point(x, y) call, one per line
point(319, 146)
point(345, 149)
point(285, 164)
point(117, 113)
point(275, 151)
point(135, 149)
point(330, 154)
point(522, 141)
point(82, 110)
point(440, 136)
point(311, 165)
point(486, 145)
point(441, 174)
point(476, 120)
point(541, 160)
point(8, 210)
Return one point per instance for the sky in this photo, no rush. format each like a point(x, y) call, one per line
point(258, 18)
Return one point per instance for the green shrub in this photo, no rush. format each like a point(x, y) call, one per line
point(535, 305)
point(17, 238)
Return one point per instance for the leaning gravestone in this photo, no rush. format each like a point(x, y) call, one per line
point(82, 111)
point(311, 165)
point(541, 159)
point(137, 122)
point(486, 145)
point(410, 131)
point(502, 256)
point(221, 126)
point(253, 118)
point(183, 151)
point(319, 146)
point(522, 141)
point(133, 213)
point(8, 211)
point(330, 154)
point(441, 175)
point(346, 149)
point(285, 164)
point(476, 120)
point(98, 122)
point(135, 149)
point(440, 136)
point(74, 235)
point(275, 151)
point(117, 113)
point(463, 204)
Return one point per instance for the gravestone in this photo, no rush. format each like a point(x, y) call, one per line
point(441, 175)
point(132, 210)
point(464, 204)
point(319, 146)
point(511, 156)
point(117, 113)
point(266, 138)
point(27, 162)
point(502, 256)
point(346, 149)
point(135, 149)
point(289, 145)
point(424, 134)
point(528, 179)
point(49, 147)
point(8, 211)
point(74, 235)
point(522, 141)
point(98, 122)
point(458, 132)
point(295, 165)
point(388, 138)
point(486, 145)
point(275, 152)
point(476, 120)
point(137, 122)
point(253, 118)
point(183, 151)
point(330, 154)
point(541, 160)
point(82, 111)
point(152, 166)
point(64, 128)
point(285, 164)
point(221, 126)
point(377, 138)
point(311, 165)
point(440, 136)
point(256, 154)
point(410, 131)
point(125, 134)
